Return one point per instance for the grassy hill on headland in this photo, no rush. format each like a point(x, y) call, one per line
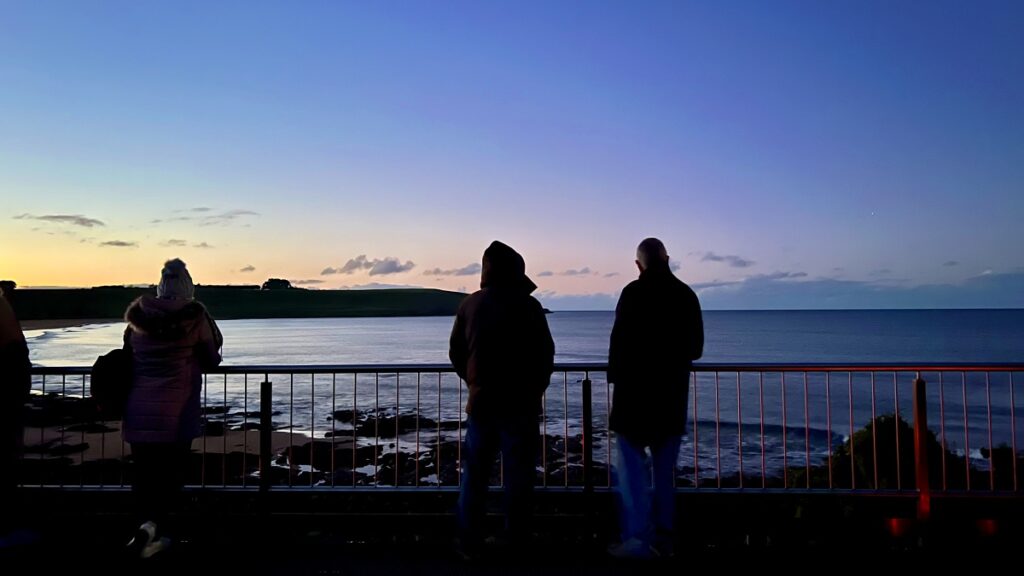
point(228, 302)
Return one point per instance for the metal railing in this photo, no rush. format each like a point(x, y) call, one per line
point(785, 427)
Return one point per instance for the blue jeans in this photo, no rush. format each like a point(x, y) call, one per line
point(647, 519)
point(517, 441)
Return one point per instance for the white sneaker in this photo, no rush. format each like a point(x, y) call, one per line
point(632, 549)
point(143, 536)
point(155, 547)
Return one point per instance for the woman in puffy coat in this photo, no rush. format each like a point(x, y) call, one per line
point(173, 340)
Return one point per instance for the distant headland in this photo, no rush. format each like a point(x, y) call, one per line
point(272, 300)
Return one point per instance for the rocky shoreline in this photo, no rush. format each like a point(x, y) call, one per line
point(66, 445)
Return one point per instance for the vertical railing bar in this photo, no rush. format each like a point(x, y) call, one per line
point(807, 436)
point(461, 405)
point(565, 438)
point(967, 440)
point(718, 432)
point(291, 426)
point(42, 442)
point(828, 425)
point(63, 397)
point(334, 428)
point(607, 430)
point(760, 401)
point(696, 438)
point(849, 389)
point(874, 432)
point(896, 425)
point(544, 437)
point(103, 442)
point(942, 426)
point(376, 428)
point(266, 446)
point(1013, 433)
point(103, 436)
point(245, 426)
point(785, 445)
point(398, 419)
point(312, 426)
point(739, 425)
point(355, 420)
point(587, 409)
point(418, 383)
point(437, 446)
point(206, 422)
point(224, 438)
point(459, 443)
point(991, 447)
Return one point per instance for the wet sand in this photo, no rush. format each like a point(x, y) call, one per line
point(65, 323)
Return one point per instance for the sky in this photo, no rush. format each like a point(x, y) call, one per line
point(790, 154)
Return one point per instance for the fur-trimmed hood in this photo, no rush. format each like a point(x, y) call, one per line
point(163, 318)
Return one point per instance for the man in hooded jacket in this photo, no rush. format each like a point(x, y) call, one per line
point(501, 346)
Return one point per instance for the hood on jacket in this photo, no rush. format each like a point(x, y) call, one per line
point(504, 267)
point(163, 318)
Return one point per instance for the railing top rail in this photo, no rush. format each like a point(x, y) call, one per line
point(582, 367)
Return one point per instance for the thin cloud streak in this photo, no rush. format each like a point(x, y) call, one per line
point(730, 259)
point(73, 219)
point(467, 270)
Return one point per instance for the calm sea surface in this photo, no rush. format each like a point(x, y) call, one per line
point(877, 336)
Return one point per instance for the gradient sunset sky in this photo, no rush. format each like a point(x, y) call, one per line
point(790, 154)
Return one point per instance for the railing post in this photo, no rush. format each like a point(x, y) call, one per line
point(266, 425)
point(588, 437)
point(921, 448)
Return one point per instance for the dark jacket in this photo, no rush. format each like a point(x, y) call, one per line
point(172, 341)
point(15, 379)
point(500, 343)
point(658, 333)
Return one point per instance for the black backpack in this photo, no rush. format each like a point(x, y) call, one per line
point(111, 378)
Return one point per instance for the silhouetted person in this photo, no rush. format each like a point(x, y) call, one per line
point(501, 346)
point(173, 339)
point(657, 334)
point(15, 381)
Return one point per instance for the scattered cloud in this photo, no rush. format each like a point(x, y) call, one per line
point(764, 292)
point(546, 273)
point(390, 266)
point(467, 270)
point(202, 245)
point(949, 263)
point(119, 244)
point(306, 282)
point(611, 274)
point(585, 271)
point(880, 272)
point(226, 217)
point(730, 259)
point(196, 209)
point(249, 268)
point(377, 286)
point(174, 242)
point(777, 276)
point(73, 219)
point(377, 267)
point(555, 301)
point(172, 219)
point(674, 266)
